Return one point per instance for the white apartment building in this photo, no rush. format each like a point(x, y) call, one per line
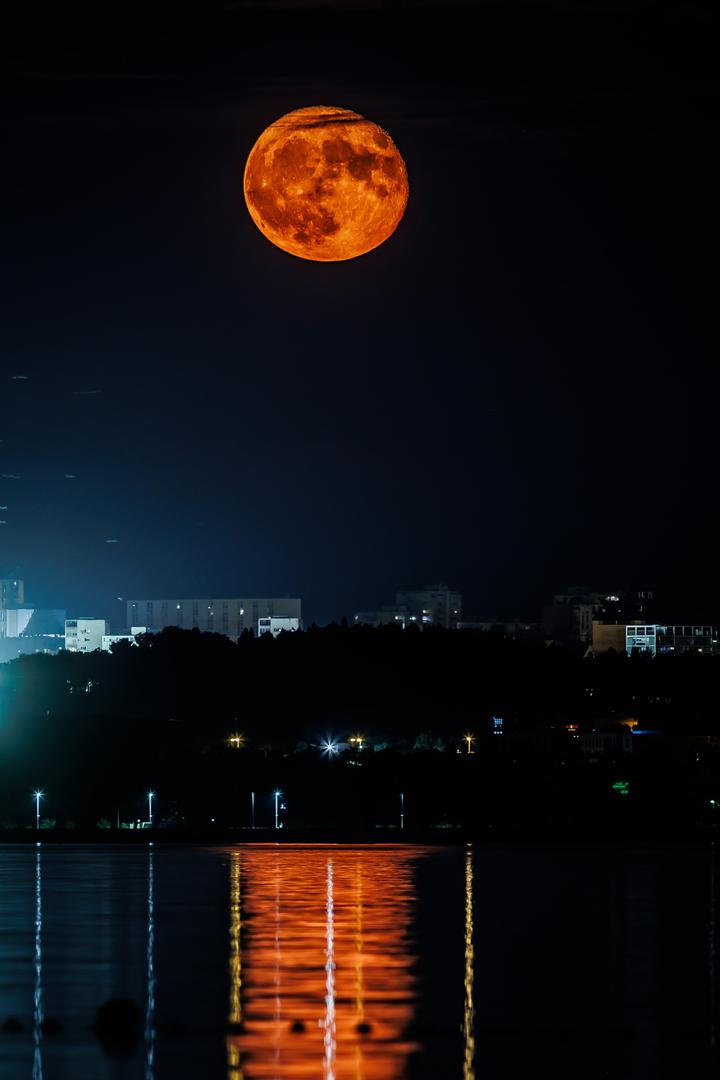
point(84, 635)
point(219, 615)
point(275, 624)
point(109, 640)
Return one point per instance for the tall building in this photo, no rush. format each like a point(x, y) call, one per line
point(12, 596)
point(219, 616)
point(12, 592)
point(24, 628)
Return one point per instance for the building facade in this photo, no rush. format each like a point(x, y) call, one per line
point(12, 592)
point(607, 637)
point(275, 624)
point(656, 639)
point(109, 640)
point(84, 635)
point(219, 616)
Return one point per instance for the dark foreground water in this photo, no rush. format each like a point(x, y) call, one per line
point(370, 963)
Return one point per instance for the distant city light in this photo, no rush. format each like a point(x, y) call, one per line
point(150, 796)
point(38, 795)
point(237, 739)
point(277, 795)
point(357, 741)
point(469, 740)
point(329, 747)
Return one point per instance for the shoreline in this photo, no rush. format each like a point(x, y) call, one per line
point(421, 837)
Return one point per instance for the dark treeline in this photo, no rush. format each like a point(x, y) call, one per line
point(96, 730)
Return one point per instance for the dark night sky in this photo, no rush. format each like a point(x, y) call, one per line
point(517, 391)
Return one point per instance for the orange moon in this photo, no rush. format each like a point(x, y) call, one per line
point(324, 183)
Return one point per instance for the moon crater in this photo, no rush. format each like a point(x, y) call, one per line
point(325, 184)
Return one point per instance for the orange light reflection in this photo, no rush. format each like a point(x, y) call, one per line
point(326, 986)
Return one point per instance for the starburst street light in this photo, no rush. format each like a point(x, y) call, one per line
point(37, 796)
point(469, 739)
point(237, 739)
point(150, 797)
point(329, 747)
point(277, 795)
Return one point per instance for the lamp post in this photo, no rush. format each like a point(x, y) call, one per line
point(150, 796)
point(402, 810)
point(277, 795)
point(469, 739)
point(252, 809)
point(37, 795)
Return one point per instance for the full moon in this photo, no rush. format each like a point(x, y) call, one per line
point(324, 183)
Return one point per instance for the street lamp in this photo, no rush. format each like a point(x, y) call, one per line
point(252, 809)
point(277, 796)
point(402, 810)
point(469, 739)
point(150, 797)
point(37, 796)
point(329, 747)
point(237, 740)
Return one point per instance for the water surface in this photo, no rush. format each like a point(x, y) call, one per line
point(372, 962)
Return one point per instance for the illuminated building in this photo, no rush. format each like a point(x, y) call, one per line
point(108, 640)
point(654, 639)
point(27, 630)
point(12, 593)
point(220, 616)
point(84, 635)
point(275, 624)
point(571, 616)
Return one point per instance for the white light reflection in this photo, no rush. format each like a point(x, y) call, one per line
point(38, 1015)
point(469, 1017)
point(329, 1022)
point(150, 1006)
